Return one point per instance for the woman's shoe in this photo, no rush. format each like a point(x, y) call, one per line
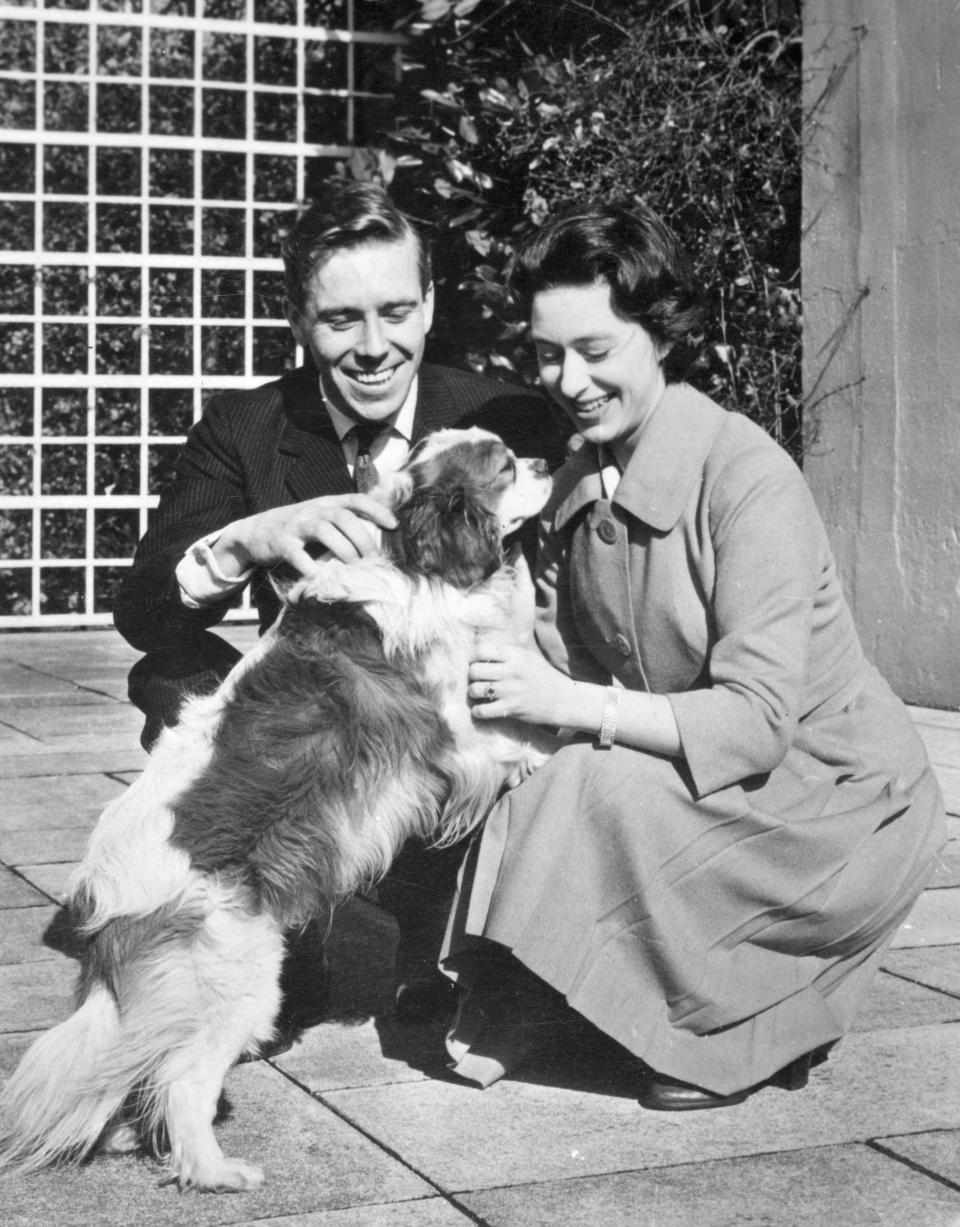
point(662, 1094)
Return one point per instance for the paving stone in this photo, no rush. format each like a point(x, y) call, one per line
point(16, 893)
point(55, 800)
point(88, 756)
point(894, 1002)
point(942, 742)
point(935, 715)
point(936, 1152)
point(336, 1055)
point(86, 750)
point(14, 743)
point(43, 846)
point(949, 779)
point(54, 722)
point(34, 996)
point(53, 880)
point(937, 966)
point(312, 1159)
point(948, 867)
point(18, 681)
point(848, 1185)
point(21, 934)
point(126, 777)
point(428, 1212)
point(934, 921)
point(880, 1082)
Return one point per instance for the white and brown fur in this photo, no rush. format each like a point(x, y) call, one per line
point(344, 732)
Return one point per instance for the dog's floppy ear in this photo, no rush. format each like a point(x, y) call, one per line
point(447, 532)
point(396, 486)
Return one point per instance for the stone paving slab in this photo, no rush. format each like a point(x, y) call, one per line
point(46, 802)
point(94, 759)
point(942, 742)
point(938, 967)
point(949, 778)
point(15, 892)
point(36, 995)
point(312, 1159)
point(877, 1083)
point(44, 846)
point(51, 879)
point(894, 1002)
point(22, 933)
point(936, 1152)
point(775, 1190)
point(934, 921)
point(432, 1212)
point(14, 742)
point(58, 721)
point(948, 866)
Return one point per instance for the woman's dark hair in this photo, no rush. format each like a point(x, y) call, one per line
point(650, 276)
point(346, 215)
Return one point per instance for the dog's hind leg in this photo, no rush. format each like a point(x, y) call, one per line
point(236, 962)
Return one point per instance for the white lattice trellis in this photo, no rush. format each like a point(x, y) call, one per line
point(150, 161)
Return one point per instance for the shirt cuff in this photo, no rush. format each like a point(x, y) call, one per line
point(201, 579)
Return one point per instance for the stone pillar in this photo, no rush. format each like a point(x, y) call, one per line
point(881, 289)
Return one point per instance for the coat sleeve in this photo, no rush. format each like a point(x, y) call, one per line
point(771, 558)
point(207, 492)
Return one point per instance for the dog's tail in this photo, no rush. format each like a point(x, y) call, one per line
point(65, 1091)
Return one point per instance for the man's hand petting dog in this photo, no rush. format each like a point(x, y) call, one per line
point(337, 523)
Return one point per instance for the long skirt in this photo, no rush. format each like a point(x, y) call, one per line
point(716, 938)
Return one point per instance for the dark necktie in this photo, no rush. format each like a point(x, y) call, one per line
point(365, 475)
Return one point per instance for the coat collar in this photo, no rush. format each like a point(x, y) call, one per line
point(664, 468)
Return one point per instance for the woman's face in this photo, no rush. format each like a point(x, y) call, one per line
point(603, 370)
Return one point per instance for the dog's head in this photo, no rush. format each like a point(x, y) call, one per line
point(460, 493)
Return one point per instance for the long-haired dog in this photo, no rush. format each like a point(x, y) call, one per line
point(344, 732)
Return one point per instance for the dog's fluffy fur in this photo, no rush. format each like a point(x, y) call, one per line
point(344, 732)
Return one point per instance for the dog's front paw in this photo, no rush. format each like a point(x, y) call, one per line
point(223, 1176)
point(120, 1139)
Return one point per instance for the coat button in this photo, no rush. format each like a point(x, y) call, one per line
point(607, 531)
point(622, 644)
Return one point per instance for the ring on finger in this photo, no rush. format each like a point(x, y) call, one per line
point(489, 694)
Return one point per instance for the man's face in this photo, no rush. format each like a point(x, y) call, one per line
point(365, 322)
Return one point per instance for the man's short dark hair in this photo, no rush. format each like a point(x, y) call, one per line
point(650, 276)
point(346, 215)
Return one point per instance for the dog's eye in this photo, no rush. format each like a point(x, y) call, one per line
point(509, 466)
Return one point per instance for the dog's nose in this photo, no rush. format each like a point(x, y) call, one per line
point(539, 465)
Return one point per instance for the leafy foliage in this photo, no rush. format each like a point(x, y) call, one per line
point(692, 107)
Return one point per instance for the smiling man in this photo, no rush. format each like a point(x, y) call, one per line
point(273, 475)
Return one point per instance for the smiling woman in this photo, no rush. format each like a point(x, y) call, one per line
point(714, 879)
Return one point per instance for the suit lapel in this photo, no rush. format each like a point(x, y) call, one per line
point(435, 405)
point(310, 452)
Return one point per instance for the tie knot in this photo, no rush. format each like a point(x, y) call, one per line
point(365, 433)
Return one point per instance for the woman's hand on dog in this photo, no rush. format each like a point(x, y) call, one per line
point(337, 523)
point(517, 681)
